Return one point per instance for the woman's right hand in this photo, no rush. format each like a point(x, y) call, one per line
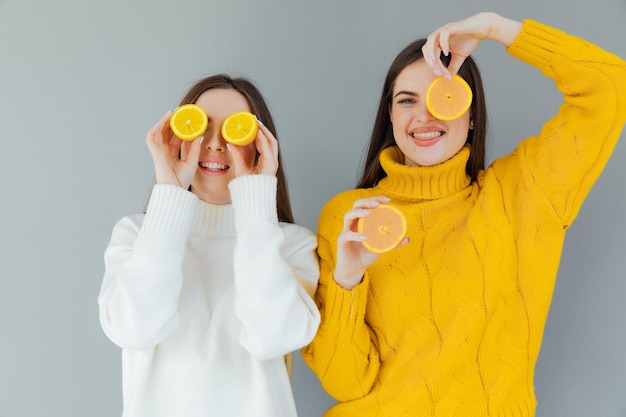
point(165, 148)
point(352, 257)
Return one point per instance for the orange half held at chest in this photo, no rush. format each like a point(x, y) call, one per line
point(384, 228)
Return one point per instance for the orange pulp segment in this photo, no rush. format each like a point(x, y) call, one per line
point(240, 128)
point(448, 99)
point(385, 227)
point(188, 121)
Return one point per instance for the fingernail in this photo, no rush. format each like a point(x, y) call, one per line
point(448, 76)
point(437, 72)
point(365, 212)
point(362, 238)
point(228, 146)
point(201, 139)
point(257, 119)
point(386, 199)
point(429, 61)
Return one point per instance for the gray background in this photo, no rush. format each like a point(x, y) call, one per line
point(81, 82)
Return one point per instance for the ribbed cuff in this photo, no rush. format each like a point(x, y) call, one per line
point(254, 199)
point(346, 306)
point(170, 210)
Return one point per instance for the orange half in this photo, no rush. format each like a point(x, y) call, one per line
point(189, 121)
point(385, 228)
point(240, 128)
point(448, 99)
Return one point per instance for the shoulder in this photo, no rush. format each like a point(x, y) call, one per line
point(505, 164)
point(133, 221)
point(128, 227)
point(342, 202)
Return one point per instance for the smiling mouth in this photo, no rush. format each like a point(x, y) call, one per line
point(426, 135)
point(213, 166)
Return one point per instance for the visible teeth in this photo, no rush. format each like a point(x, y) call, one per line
point(426, 135)
point(213, 166)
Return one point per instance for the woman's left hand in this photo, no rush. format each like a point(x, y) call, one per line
point(462, 37)
point(267, 147)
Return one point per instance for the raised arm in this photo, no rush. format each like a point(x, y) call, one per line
point(276, 272)
point(567, 157)
point(143, 271)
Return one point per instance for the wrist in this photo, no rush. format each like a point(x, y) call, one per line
point(168, 182)
point(348, 283)
point(503, 29)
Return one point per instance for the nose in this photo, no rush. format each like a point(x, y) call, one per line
point(422, 113)
point(213, 141)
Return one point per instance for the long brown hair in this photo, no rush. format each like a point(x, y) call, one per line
point(382, 133)
point(258, 107)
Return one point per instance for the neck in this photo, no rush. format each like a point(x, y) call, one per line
point(215, 198)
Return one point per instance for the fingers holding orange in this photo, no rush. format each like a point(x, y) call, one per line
point(267, 148)
point(159, 130)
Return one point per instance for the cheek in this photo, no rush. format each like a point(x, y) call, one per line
point(401, 117)
point(399, 125)
point(461, 128)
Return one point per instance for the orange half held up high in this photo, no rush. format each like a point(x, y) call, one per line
point(448, 99)
point(384, 228)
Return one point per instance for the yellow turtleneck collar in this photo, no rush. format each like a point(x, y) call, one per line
point(420, 183)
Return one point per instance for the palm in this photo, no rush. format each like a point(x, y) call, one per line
point(353, 258)
point(170, 168)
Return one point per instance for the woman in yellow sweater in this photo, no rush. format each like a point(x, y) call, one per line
point(450, 322)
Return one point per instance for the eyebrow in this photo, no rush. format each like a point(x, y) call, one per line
point(410, 93)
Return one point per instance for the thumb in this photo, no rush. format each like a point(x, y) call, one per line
point(194, 150)
point(240, 163)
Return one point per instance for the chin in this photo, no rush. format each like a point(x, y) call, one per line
point(424, 161)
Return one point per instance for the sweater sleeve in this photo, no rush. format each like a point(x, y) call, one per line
point(138, 300)
point(567, 157)
point(276, 272)
point(344, 354)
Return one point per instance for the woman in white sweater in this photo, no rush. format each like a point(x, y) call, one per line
point(212, 286)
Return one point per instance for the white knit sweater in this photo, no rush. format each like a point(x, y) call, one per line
point(206, 299)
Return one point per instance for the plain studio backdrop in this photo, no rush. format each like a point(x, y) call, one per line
point(81, 81)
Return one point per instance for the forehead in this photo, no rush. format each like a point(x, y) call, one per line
point(219, 103)
point(415, 77)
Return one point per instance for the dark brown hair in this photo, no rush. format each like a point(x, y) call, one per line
point(258, 107)
point(382, 133)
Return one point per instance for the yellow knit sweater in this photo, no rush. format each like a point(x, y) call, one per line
point(451, 324)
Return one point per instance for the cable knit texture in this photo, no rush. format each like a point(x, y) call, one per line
point(451, 324)
point(205, 301)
